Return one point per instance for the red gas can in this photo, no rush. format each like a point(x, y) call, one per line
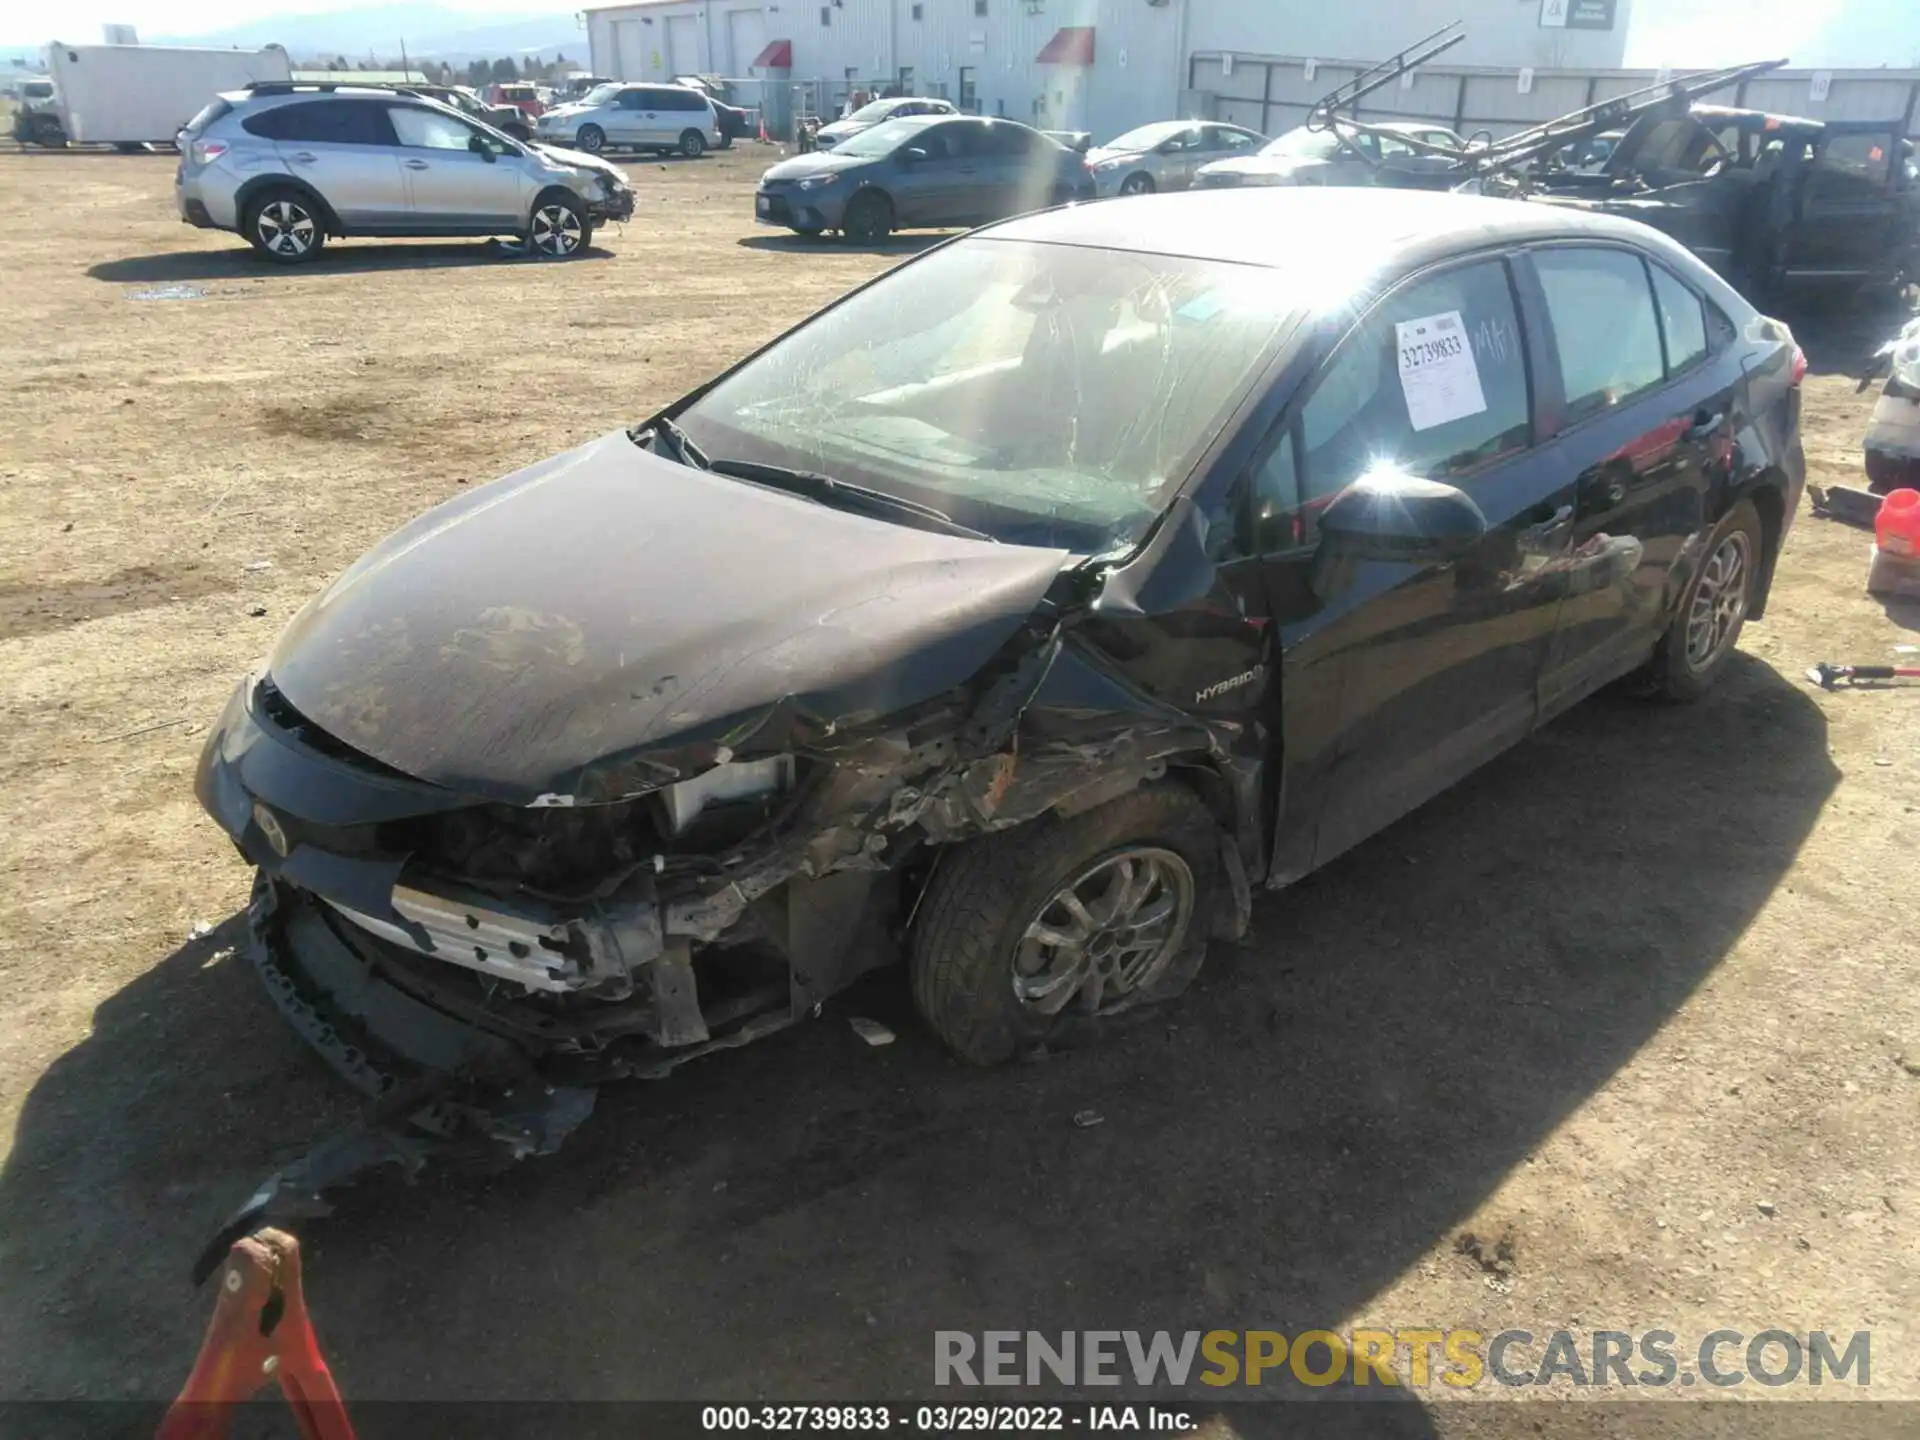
point(1896, 529)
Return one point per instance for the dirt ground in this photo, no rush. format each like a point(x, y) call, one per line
point(1639, 998)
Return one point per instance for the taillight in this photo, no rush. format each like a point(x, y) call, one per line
point(205, 152)
point(1799, 365)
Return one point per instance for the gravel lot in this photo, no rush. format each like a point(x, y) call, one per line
point(1638, 998)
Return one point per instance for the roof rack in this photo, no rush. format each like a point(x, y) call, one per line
point(324, 87)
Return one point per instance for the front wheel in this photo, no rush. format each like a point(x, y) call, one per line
point(1028, 935)
point(283, 226)
point(1137, 184)
point(1707, 623)
point(869, 219)
point(559, 230)
point(592, 139)
point(693, 144)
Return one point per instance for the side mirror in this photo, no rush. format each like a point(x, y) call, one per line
point(1391, 516)
point(913, 155)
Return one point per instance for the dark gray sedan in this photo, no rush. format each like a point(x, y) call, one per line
point(930, 171)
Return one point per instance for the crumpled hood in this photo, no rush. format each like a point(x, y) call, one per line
point(580, 160)
point(607, 621)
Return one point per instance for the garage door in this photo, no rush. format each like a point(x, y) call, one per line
point(683, 45)
point(746, 38)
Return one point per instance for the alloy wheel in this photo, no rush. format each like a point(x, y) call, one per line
point(285, 228)
point(555, 230)
point(1137, 185)
point(1105, 935)
point(1719, 600)
point(590, 139)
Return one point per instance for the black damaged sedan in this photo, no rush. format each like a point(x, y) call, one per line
point(1013, 618)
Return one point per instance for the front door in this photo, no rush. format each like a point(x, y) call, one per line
point(458, 179)
point(944, 188)
point(630, 119)
point(345, 150)
point(1398, 678)
point(1647, 431)
point(1849, 205)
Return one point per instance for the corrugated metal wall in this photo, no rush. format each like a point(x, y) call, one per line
point(1243, 60)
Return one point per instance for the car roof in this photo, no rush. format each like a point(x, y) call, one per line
point(1350, 228)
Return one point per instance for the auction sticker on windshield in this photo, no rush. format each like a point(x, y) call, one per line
point(1437, 370)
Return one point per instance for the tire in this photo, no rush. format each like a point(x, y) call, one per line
point(1696, 648)
point(591, 139)
point(1138, 183)
point(559, 227)
point(973, 947)
point(284, 225)
point(692, 144)
point(869, 218)
point(806, 232)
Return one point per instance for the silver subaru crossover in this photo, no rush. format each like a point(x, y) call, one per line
point(286, 165)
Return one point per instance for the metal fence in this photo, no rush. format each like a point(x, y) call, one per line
point(1272, 93)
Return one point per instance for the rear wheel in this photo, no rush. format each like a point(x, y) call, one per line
point(1139, 183)
point(592, 139)
point(559, 229)
point(692, 144)
point(1038, 932)
point(869, 219)
point(1707, 623)
point(284, 225)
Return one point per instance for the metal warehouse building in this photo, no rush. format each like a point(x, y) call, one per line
point(1099, 65)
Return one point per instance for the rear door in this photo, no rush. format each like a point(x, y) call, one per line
point(1405, 677)
point(1849, 205)
point(457, 179)
point(346, 151)
point(1641, 391)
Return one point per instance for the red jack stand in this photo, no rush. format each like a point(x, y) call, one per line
point(259, 1332)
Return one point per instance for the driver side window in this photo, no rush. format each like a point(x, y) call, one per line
point(430, 130)
point(1432, 383)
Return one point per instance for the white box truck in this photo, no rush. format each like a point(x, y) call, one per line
point(130, 94)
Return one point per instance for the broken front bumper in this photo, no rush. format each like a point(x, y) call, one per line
point(1893, 439)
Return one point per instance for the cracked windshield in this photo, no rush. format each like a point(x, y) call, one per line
point(1042, 394)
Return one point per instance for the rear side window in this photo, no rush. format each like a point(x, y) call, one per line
point(1853, 164)
point(1433, 382)
point(324, 122)
point(208, 113)
point(1682, 321)
point(683, 100)
point(1606, 338)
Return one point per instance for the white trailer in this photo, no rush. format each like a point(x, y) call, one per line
point(127, 94)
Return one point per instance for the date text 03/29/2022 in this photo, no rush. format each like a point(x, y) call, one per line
point(948, 1419)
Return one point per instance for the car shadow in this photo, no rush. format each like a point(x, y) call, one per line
point(1902, 610)
point(241, 263)
point(892, 245)
point(1332, 1100)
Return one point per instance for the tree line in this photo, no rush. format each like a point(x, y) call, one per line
point(476, 72)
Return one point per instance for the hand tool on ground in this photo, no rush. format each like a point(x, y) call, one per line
point(1832, 677)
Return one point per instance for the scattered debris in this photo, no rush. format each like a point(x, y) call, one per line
point(1845, 504)
point(1831, 677)
point(167, 292)
point(256, 611)
point(201, 929)
point(1768, 1208)
point(143, 730)
point(871, 1031)
point(1087, 1119)
point(1908, 1064)
point(1498, 1259)
point(67, 528)
point(255, 566)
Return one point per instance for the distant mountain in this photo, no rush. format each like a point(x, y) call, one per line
point(430, 32)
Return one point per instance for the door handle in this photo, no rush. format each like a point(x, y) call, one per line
point(1545, 516)
point(304, 157)
point(1705, 423)
point(416, 164)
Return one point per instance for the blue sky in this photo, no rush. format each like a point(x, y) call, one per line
point(1663, 32)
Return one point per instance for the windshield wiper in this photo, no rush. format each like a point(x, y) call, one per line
point(684, 450)
point(843, 494)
